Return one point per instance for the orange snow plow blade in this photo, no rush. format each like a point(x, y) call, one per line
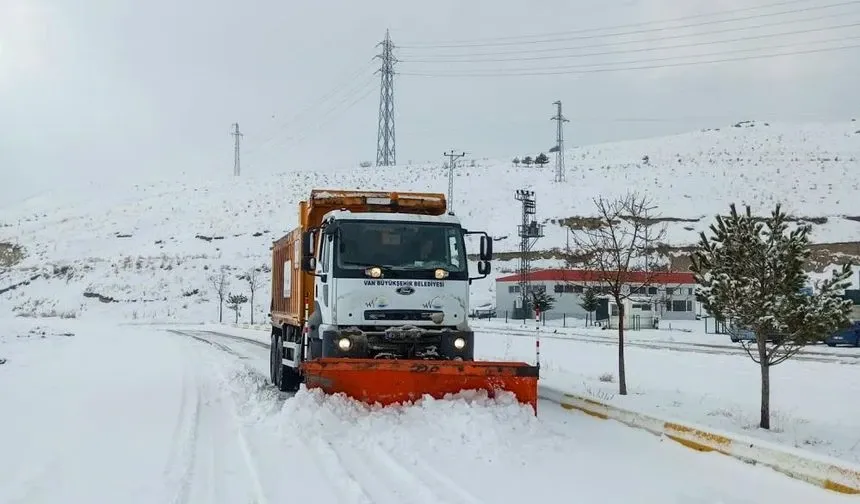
point(392, 381)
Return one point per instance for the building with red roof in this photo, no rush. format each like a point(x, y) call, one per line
point(668, 295)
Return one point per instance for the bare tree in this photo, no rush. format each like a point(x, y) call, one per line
point(620, 252)
point(219, 283)
point(254, 281)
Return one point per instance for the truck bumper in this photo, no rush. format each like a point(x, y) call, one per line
point(405, 342)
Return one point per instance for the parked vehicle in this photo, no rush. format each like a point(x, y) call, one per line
point(487, 311)
point(847, 336)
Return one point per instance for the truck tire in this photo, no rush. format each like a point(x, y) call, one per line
point(273, 356)
point(284, 377)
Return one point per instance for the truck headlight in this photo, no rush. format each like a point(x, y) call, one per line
point(344, 344)
point(440, 274)
point(459, 343)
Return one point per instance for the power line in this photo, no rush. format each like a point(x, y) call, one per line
point(501, 41)
point(609, 27)
point(677, 57)
point(341, 110)
point(338, 109)
point(532, 50)
point(528, 72)
point(386, 154)
point(353, 89)
point(293, 121)
point(639, 49)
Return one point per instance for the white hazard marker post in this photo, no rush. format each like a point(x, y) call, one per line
point(537, 338)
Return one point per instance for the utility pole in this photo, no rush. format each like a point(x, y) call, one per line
point(559, 143)
point(236, 133)
point(452, 157)
point(385, 150)
point(529, 231)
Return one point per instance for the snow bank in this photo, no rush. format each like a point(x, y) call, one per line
point(466, 415)
point(716, 390)
point(824, 472)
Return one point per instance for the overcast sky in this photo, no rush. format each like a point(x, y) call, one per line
point(100, 89)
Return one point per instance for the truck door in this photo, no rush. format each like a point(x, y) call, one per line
point(324, 287)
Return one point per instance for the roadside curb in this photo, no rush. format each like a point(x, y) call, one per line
point(822, 471)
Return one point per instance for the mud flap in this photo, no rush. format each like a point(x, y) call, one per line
point(392, 381)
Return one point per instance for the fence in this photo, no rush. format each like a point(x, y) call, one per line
point(557, 319)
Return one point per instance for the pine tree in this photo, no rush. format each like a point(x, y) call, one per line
point(589, 303)
point(235, 302)
point(750, 273)
point(542, 301)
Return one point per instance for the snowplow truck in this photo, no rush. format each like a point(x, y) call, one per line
point(370, 298)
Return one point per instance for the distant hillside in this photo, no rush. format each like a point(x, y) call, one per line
point(148, 248)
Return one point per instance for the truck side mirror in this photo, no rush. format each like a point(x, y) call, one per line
point(307, 244)
point(486, 248)
point(309, 264)
point(483, 268)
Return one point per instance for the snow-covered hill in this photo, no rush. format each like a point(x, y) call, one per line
point(145, 250)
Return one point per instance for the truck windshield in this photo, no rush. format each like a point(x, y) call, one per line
point(400, 245)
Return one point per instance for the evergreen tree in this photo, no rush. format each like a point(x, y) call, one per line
point(235, 302)
point(542, 301)
point(589, 303)
point(516, 161)
point(527, 161)
point(541, 159)
point(750, 273)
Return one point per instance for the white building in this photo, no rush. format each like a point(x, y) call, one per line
point(669, 296)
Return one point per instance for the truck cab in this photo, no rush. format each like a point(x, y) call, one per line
point(390, 285)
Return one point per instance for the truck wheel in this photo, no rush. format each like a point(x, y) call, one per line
point(286, 378)
point(273, 356)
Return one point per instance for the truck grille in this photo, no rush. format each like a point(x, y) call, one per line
point(399, 315)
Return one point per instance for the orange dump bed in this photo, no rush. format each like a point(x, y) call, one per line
point(396, 381)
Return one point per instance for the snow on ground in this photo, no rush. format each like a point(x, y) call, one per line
point(697, 377)
point(148, 248)
point(688, 376)
point(809, 167)
point(118, 413)
point(143, 255)
point(693, 334)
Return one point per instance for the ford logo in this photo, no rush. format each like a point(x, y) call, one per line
point(405, 290)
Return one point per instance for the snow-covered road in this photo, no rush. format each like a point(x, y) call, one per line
point(143, 414)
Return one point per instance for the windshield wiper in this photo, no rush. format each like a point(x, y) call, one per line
point(361, 264)
point(428, 266)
